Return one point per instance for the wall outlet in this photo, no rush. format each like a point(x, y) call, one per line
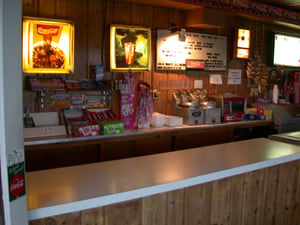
point(198, 84)
point(155, 94)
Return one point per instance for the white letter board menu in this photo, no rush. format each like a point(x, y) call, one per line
point(208, 50)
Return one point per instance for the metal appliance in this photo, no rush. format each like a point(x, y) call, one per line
point(232, 107)
point(186, 105)
point(212, 114)
point(286, 118)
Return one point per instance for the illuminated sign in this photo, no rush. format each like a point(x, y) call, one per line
point(48, 46)
point(130, 48)
point(199, 51)
point(243, 43)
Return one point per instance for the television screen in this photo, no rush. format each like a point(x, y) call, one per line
point(284, 50)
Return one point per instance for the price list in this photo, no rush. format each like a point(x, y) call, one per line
point(209, 49)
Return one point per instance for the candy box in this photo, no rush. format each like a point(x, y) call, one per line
point(98, 72)
point(86, 130)
point(112, 127)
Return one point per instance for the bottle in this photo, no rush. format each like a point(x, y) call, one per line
point(275, 94)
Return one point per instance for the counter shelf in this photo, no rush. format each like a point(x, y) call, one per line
point(143, 131)
point(288, 137)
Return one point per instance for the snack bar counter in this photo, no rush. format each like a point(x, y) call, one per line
point(59, 151)
point(52, 193)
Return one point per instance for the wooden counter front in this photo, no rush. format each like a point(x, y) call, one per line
point(54, 152)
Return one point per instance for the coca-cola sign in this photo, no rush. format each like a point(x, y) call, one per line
point(16, 180)
point(47, 30)
point(17, 185)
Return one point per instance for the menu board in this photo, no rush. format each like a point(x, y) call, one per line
point(205, 51)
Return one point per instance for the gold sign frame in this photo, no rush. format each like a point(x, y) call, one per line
point(130, 48)
point(48, 46)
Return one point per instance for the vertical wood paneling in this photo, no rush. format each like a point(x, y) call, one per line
point(220, 206)
point(77, 12)
point(160, 17)
point(175, 207)
point(93, 217)
point(281, 195)
point(197, 206)
point(61, 9)
point(127, 213)
point(28, 7)
point(293, 193)
point(236, 199)
point(96, 36)
point(271, 188)
point(122, 13)
point(253, 197)
point(138, 15)
point(67, 219)
point(154, 210)
point(46, 8)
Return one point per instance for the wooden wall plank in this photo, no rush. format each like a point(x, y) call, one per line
point(175, 207)
point(126, 213)
point(281, 194)
point(293, 193)
point(46, 8)
point(220, 206)
point(237, 199)
point(253, 197)
point(28, 7)
point(96, 26)
point(93, 216)
point(154, 210)
point(197, 205)
point(61, 9)
point(270, 192)
point(137, 14)
point(77, 12)
point(122, 13)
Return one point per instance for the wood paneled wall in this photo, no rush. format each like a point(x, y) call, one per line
point(92, 20)
point(268, 196)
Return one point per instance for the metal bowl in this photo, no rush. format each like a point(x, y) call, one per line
point(208, 105)
point(188, 105)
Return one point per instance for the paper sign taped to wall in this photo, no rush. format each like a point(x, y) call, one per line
point(234, 76)
point(215, 79)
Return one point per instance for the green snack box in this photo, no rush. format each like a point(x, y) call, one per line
point(112, 127)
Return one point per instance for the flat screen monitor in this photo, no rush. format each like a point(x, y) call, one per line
point(284, 50)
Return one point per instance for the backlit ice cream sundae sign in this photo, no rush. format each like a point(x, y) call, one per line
point(48, 46)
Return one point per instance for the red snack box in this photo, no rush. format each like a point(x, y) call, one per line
point(86, 130)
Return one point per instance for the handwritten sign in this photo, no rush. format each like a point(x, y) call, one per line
point(172, 54)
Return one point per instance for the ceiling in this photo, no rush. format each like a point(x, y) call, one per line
point(293, 5)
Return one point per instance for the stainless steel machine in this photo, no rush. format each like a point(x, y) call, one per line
point(286, 117)
point(194, 109)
